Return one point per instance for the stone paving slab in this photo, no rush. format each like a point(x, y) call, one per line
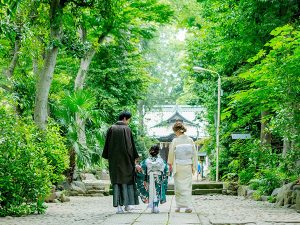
point(220, 209)
point(207, 210)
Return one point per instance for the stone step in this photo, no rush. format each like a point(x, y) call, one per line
point(197, 189)
point(94, 191)
point(206, 191)
point(208, 186)
point(200, 191)
point(201, 186)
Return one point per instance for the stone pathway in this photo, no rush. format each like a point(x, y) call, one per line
point(207, 210)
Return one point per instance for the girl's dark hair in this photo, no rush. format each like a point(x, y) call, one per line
point(124, 114)
point(154, 150)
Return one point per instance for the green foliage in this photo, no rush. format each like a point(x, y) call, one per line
point(24, 170)
point(143, 144)
point(165, 59)
point(29, 161)
point(82, 104)
point(266, 181)
point(272, 199)
point(24, 86)
point(257, 196)
point(259, 166)
point(275, 83)
point(254, 46)
point(290, 165)
point(53, 145)
point(117, 79)
point(245, 175)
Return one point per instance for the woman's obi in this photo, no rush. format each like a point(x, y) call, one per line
point(184, 154)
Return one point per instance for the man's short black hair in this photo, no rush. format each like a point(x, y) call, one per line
point(124, 114)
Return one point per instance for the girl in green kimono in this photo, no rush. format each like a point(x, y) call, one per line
point(152, 179)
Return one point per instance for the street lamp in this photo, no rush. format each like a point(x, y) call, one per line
point(200, 69)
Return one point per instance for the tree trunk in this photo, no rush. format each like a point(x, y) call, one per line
point(72, 164)
point(265, 136)
point(46, 75)
point(84, 66)
point(141, 117)
point(15, 57)
point(8, 72)
point(35, 66)
point(286, 146)
point(79, 83)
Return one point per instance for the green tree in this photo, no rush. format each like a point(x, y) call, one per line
point(225, 35)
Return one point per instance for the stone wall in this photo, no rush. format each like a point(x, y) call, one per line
point(57, 196)
point(90, 184)
point(287, 196)
point(230, 188)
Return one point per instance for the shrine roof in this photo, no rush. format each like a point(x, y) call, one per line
point(170, 137)
point(175, 117)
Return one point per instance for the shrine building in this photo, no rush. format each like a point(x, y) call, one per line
point(160, 119)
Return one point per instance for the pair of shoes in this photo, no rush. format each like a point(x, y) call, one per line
point(188, 210)
point(128, 208)
point(155, 210)
point(177, 210)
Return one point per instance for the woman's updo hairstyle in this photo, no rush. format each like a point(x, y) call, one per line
point(154, 150)
point(178, 126)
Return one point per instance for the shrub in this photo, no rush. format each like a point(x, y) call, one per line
point(270, 179)
point(267, 180)
point(29, 161)
point(246, 175)
point(272, 199)
point(232, 174)
point(290, 164)
point(257, 196)
point(55, 151)
point(24, 172)
point(254, 184)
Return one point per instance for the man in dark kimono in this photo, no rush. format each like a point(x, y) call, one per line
point(121, 153)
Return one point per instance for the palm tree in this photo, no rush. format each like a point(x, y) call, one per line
point(85, 145)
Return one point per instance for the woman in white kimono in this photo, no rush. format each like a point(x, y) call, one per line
point(183, 159)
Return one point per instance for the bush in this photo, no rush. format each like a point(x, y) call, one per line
point(267, 180)
point(246, 175)
point(24, 172)
point(29, 161)
point(55, 151)
point(232, 174)
point(290, 164)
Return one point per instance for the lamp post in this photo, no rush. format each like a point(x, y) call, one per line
point(200, 69)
